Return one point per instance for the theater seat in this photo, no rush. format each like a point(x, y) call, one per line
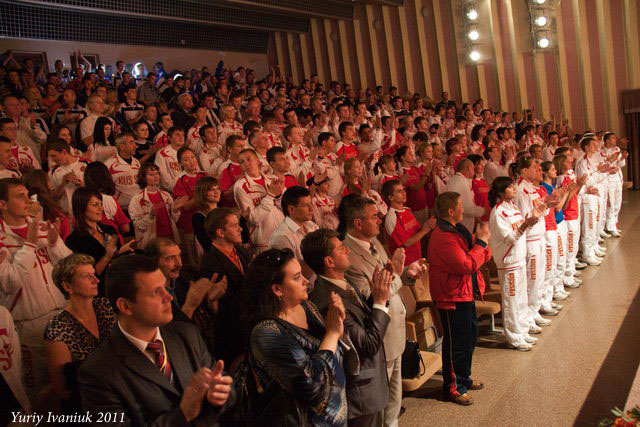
point(489, 308)
point(423, 328)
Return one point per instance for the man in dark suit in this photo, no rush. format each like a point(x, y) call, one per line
point(150, 371)
point(365, 324)
point(227, 258)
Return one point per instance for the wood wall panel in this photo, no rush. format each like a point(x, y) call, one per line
point(419, 47)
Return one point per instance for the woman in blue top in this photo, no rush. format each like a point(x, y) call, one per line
point(553, 285)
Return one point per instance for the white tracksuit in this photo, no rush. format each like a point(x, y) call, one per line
point(561, 261)
point(528, 195)
point(261, 209)
point(170, 169)
point(614, 189)
point(601, 217)
point(28, 291)
point(590, 205)
point(509, 248)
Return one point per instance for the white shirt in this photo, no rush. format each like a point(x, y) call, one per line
point(170, 169)
point(57, 178)
point(462, 185)
point(142, 344)
point(289, 235)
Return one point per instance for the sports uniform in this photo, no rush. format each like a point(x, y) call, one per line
point(125, 176)
point(590, 203)
point(170, 169)
point(614, 189)
point(400, 225)
point(261, 209)
point(509, 248)
point(149, 225)
point(57, 178)
point(528, 196)
point(324, 211)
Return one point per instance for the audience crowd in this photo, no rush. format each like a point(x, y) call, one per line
point(204, 246)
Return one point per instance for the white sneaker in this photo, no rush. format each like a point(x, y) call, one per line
point(549, 311)
point(559, 297)
point(615, 233)
point(593, 261)
point(600, 240)
point(580, 265)
point(540, 321)
point(520, 347)
point(577, 273)
point(605, 235)
point(556, 306)
point(600, 254)
point(571, 283)
point(530, 340)
point(601, 248)
point(576, 280)
point(535, 329)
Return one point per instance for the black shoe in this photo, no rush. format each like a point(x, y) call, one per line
point(402, 411)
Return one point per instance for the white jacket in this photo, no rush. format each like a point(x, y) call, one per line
point(462, 185)
point(508, 245)
point(527, 196)
point(324, 211)
point(170, 169)
point(11, 359)
point(614, 178)
point(125, 176)
point(145, 225)
point(26, 285)
point(261, 209)
point(589, 167)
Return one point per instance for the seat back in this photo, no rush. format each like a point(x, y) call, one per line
point(408, 299)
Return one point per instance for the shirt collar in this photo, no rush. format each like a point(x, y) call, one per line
point(140, 344)
point(342, 284)
point(362, 243)
point(292, 224)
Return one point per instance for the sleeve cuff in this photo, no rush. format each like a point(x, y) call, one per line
point(381, 307)
point(481, 243)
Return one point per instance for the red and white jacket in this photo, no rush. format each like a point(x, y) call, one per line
point(194, 140)
point(324, 211)
point(210, 159)
point(170, 169)
point(23, 157)
point(26, 285)
point(125, 176)
point(328, 164)
point(57, 174)
point(508, 244)
point(529, 195)
point(140, 209)
point(300, 161)
point(261, 209)
point(229, 128)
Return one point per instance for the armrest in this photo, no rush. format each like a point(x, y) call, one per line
point(411, 331)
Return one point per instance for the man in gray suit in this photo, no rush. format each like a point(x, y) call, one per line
point(150, 371)
point(366, 255)
point(365, 324)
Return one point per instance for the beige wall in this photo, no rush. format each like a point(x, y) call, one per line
point(419, 47)
point(173, 58)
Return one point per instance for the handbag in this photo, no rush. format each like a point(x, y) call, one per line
point(412, 363)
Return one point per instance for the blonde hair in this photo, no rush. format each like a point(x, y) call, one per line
point(66, 268)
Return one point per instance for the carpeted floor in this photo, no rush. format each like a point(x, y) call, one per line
point(583, 366)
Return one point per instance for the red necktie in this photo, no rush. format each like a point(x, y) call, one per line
point(157, 348)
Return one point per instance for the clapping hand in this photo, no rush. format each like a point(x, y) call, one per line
point(397, 261)
point(416, 269)
point(380, 285)
point(482, 232)
point(334, 321)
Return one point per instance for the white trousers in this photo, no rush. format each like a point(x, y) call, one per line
point(561, 264)
point(602, 208)
point(535, 276)
point(589, 225)
point(515, 309)
point(551, 260)
point(614, 190)
point(573, 237)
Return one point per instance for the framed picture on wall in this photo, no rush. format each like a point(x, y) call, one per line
point(19, 57)
point(86, 59)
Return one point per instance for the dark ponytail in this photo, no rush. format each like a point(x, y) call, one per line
point(498, 188)
point(382, 161)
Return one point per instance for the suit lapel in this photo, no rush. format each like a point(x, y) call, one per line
point(138, 362)
point(227, 265)
point(362, 253)
point(178, 357)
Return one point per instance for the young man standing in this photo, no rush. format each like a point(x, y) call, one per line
point(67, 175)
point(124, 168)
point(28, 251)
point(167, 159)
point(258, 198)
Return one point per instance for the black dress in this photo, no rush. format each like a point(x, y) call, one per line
point(85, 243)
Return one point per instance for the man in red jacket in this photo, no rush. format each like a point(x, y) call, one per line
point(455, 280)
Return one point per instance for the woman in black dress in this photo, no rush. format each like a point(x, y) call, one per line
point(89, 236)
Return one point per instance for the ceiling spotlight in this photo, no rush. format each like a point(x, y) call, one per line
point(473, 35)
point(541, 21)
point(540, 1)
point(472, 14)
point(543, 42)
point(474, 55)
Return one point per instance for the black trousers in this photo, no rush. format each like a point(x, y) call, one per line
point(460, 336)
point(368, 420)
